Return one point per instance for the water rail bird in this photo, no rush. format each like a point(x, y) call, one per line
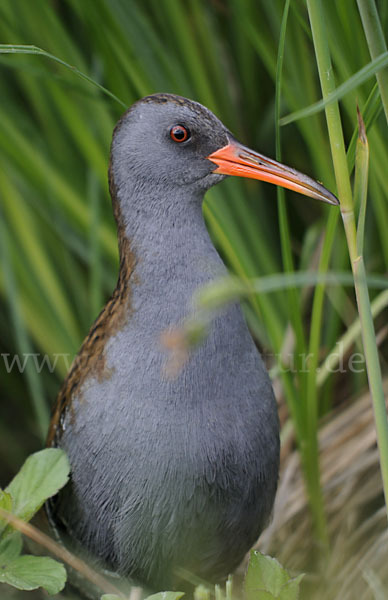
point(169, 473)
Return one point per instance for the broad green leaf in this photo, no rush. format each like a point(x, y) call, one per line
point(158, 596)
point(264, 595)
point(5, 501)
point(290, 591)
point(266, 579)
point(5, 504)
point(264, 573)
point(32, 572)
point(41, 476)
point(10, 547)
point(166, 596)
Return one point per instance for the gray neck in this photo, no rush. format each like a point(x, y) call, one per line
point(172, 249)
point(161, 218)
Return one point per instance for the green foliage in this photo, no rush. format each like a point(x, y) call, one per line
point(41, 476)
point(31, 572)
point(267, 580)
point(158, 596)
point(166, 596)
point(201, 592)
point(352, 83)
point(5, 504)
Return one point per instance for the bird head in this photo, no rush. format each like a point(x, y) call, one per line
point(171, 142)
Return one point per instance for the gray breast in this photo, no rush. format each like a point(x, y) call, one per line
point(197, 452)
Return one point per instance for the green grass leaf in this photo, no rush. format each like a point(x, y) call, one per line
point(349, 85)
point(361, 182)
point(26, 49)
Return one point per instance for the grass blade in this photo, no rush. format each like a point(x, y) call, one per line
point(376, 65)
point(345, 196)
point(376, 42)
point(361, 182)
point(26, 49)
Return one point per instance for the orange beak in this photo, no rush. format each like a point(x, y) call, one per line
point(235, 159)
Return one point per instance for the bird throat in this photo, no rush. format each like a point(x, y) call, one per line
point(163, 240)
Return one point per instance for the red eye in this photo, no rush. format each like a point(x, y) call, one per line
point(178, 133)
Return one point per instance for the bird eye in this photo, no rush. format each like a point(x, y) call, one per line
point(178, 133)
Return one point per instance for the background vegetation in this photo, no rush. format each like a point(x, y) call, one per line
point(58, 242)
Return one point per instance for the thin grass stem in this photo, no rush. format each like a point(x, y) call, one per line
point(376, 42)
point(322, 52)
point(26, 49)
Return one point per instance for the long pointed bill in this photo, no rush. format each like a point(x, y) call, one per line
point(235, 159)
